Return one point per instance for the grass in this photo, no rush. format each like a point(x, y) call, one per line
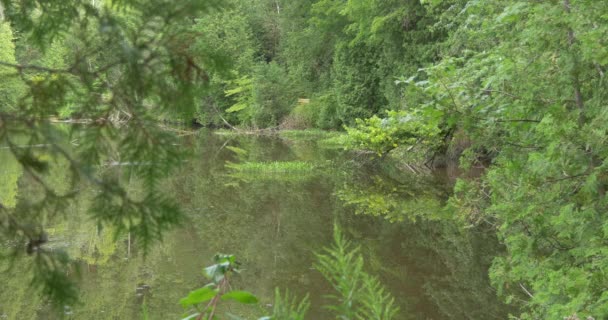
point(308, 134)
point(276, 167)
point(283, 170)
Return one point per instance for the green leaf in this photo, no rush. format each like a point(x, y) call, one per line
point(215, 272)
point(240, 296)
point(198, 296)
point(236, 107)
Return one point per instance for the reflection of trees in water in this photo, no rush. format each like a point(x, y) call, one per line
point(106, 278)
point(436, 268)
point(395, 202)
point(460, 285)
point(273, 226)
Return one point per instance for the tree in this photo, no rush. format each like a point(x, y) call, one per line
point(11, 88)
point(128, 60)
point(526, 90)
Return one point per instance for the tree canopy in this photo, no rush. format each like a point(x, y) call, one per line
point(516, 88)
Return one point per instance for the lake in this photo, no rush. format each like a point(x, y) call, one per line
point(273, 202)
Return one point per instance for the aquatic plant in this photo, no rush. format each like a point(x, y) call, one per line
point(308, 134)
point(277, 170)
point(287, 306)
point(290, 167)
point(217, 289)
point(358, 295)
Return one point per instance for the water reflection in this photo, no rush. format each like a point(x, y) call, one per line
point(272, 203)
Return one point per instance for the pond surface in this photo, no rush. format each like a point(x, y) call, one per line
point(273, 217)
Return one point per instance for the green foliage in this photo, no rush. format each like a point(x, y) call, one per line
point(310, 134)
point(51, 278)
point(12, 88)
point(272, 167)
point(328, 115)
point(359, 295)
point(242, 92)
point(240, 296)
point(320, 112)
point(218, 289)
point(357, 94)
point(103, 63)
point(400, 128)
point(384, 199)
point(272, 94)
point(377, 42)
point(198, 296)
point(523, 81)
point(344, 55)
point(287, 307)
point(338, 141)
point(303, 116)
point(263, 99)
point(527, 91)
point(10, 173)
point(227, 36)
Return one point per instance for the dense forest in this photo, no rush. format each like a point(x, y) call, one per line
point(512, 90)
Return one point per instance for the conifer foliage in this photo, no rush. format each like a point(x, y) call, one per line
point(123, 62)
point(515, 87)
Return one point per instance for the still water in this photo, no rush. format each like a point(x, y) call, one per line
point(273, 202)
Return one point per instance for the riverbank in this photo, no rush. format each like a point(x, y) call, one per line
point(412, 159)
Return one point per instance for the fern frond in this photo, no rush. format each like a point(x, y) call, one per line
point(288, 307)
point(377, 303)
point(359, 295)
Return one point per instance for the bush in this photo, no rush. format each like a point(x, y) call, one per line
point(328, 115)
point(400, 128)
point(262, 100)
point(303, 116)
point(320, 113)
point(273, 96)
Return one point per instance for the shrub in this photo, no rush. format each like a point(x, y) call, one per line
point(328, 115)
point(382, 135)
point(273, 96)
